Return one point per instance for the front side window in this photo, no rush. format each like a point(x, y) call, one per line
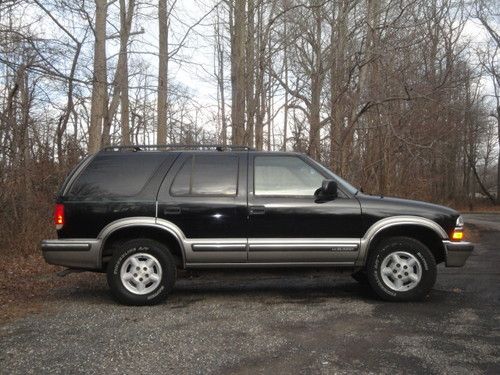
point(213, 175)
point(285, 176)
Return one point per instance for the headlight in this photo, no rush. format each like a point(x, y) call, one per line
point(460, 222)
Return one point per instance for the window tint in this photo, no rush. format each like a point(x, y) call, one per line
point(115, 176)
point(207, 175)
point(285, 176)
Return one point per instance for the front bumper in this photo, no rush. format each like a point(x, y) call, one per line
point(73, 253)
point(457, 253)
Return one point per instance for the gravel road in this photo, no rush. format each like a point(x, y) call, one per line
point(270, 322)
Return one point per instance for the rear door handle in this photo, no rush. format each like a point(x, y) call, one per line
point(257, 210)
point(172, 210)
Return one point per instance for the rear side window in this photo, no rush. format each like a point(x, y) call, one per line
point(213, 175)
point(115, 176)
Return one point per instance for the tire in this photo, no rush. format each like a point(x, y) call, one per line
point(360, 277)
point(407, 277)
point(141, 272)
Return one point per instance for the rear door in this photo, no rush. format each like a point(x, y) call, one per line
point(287, 224)
point(205, 195)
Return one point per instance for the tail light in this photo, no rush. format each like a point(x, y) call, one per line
point(59, 216)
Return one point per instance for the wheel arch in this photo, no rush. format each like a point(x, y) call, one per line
point(160, 230)
point(424, 230)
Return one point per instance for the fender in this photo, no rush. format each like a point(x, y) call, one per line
point(143, 221)
point(393, 221)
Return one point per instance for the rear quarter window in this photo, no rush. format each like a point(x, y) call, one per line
point(115, 176)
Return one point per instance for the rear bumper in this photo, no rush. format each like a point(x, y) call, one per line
point(73, 253)
point(457, 253)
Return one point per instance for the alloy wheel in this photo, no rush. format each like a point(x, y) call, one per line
point(141, 273)
point(401, 271)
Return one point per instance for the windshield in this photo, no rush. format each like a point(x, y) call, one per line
point(343, 183)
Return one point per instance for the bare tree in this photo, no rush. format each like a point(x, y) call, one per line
point(219, 74)
point(121, 81)
point(99, 80)
point(491, 63)
point(238, 37)
point(162, 71)
point(69, 110)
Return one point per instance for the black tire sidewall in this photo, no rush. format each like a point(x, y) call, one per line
point(361, 277)
point(156, 249)
point(409, 245)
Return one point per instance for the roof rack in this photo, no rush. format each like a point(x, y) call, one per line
point(136, 148)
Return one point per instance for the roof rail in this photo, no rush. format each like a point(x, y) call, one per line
point(175, 146)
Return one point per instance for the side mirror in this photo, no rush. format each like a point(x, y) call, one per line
point(327, 191)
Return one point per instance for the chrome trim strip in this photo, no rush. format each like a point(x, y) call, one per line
point(391, 222)
point(303, 250)
point(458, 244)
point(48, 245)
point(308, 241)
point(216, 250)
point(304, 247)
point(219, 247)
point(269, 264)
point(216, 241)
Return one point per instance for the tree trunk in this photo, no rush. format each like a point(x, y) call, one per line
point(126, 14)
point(269, 107)
point(63, 121)
point(314, 118)
point(339, 35)
point(249, 74)
point(99, 80)
point(162, 106)
point(260, 92)
point(238, 38)
point(285, 68)
point(220, 79)
point(498, 161)
point(316, 84)
point(346, 141)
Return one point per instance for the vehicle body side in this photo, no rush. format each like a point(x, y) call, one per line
point(244, 230)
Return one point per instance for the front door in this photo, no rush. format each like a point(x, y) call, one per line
point(287, 224)
point(205, 195)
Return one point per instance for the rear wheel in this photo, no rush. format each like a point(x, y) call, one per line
point(141, 272)
point(401, 269)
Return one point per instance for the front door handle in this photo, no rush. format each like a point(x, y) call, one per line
point(257, 210)
point(172, 210)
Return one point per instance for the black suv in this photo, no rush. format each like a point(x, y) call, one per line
point(141, 212)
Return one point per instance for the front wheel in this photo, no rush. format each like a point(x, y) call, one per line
point(141, 272)
point(401, 269)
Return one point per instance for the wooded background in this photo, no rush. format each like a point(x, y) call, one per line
point(400, 97)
